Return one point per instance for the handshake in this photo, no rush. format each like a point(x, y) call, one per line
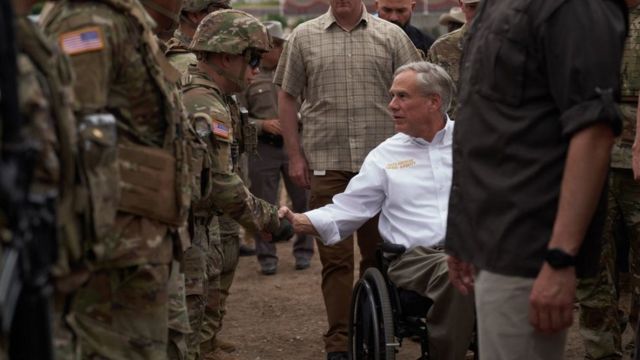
point(285, 230)
point(291, 223)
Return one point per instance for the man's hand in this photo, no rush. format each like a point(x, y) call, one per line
point(284, 232)
point(299, 171)
point(551, 299)
point(300, 222)
point(272, 126)
point(461, 274)
point(635, 160)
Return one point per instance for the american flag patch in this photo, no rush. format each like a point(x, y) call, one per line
point(220, 129)
point(81, 41)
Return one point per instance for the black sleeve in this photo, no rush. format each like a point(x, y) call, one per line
point(583, 42)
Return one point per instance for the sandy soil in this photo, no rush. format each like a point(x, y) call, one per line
point(282, 316)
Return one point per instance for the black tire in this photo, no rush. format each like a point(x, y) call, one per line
point(371, 335)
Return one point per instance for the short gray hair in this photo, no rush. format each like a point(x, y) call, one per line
point(431, 79)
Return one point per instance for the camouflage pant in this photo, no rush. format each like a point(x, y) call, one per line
point(201, 262)
point(599, 316)
point(179, 328)
point(218, 289)
point(122, 313)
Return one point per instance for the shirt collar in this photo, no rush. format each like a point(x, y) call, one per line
point(329, 19)
point(443, 136)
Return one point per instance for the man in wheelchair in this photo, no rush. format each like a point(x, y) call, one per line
point(407, 179)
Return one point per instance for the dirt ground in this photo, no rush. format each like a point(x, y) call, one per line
point(282, 316)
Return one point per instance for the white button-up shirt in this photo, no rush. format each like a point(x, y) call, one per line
point(408, 181)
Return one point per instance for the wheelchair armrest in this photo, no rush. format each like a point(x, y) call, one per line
point(396, 249)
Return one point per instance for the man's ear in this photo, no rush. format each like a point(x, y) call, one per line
point(413, 5)
point(226, 61)
point(376, 6)
point(434, 102)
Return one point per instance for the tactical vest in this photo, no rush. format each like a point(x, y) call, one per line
point(71, 217)
point(139, 161)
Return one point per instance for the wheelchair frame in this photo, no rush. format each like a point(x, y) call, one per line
point(378, 323)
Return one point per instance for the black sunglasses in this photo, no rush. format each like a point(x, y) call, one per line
point(253, 59)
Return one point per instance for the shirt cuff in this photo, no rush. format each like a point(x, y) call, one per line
point(600, 109)
point(324, 225)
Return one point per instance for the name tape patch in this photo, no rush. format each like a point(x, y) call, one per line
point(82, 41)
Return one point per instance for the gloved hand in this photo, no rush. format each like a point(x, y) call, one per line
point(284, 232)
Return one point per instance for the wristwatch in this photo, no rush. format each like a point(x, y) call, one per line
point(559, 259)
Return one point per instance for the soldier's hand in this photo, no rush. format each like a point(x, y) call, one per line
point(284, 232)
point(272, 126)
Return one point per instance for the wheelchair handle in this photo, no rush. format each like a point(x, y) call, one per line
point(396, 249)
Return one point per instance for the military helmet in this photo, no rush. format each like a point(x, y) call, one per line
point(199, 5)
point(230, 32)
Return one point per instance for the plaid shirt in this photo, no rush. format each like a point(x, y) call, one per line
point(343, 78)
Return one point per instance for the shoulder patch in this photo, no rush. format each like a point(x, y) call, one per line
point(220, 129)
point(82, 41)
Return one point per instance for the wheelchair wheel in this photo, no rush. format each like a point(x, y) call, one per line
point(371, 334)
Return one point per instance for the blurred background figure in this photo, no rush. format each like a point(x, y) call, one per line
point(399, 12)
point(453, 20)
point(447, 50)
point(270, 164)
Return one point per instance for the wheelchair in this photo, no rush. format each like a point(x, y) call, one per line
point(383, 315)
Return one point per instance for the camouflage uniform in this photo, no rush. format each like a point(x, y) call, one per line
point(446, 52)
point(600, 318)
point(226, 31)
point(46, 105)
point(121, 311)
point(178, 51)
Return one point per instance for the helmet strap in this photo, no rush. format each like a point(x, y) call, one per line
point(238, 80)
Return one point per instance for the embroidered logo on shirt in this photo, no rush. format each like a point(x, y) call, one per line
point(82, 41)
point(219, 129)
point(401, 164)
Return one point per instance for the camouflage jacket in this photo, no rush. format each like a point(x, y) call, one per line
point(224, 191)
point(178, 53)
point(121, 71)
point(46, 105)
point(621, 153)
point(446, 52)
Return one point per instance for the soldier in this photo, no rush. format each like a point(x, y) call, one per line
point(447, 49)
point(600, 319)
point(134, 153)
point(270, 164)
point(46, 104)
point(228, 44)
point(193, 11)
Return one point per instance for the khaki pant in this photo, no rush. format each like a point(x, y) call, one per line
point(504, 331)
point(337, 260)
point(450, 319)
